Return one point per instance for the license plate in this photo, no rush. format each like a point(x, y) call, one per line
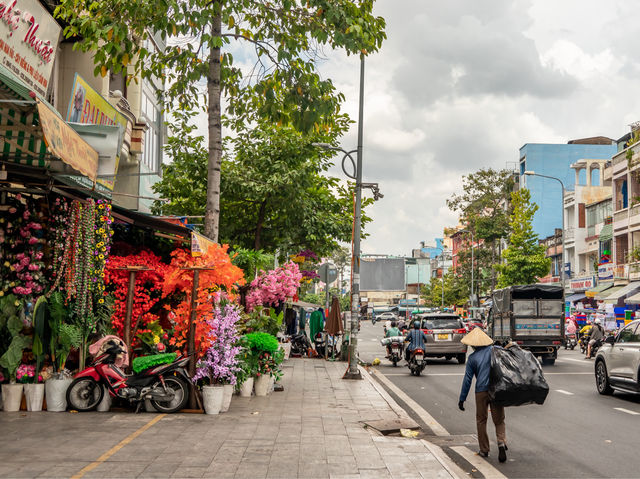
point(418, 357)
point(443, 337)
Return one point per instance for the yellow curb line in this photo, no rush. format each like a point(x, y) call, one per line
point(117, 447)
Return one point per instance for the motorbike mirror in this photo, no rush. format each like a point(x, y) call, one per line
point(610, 340)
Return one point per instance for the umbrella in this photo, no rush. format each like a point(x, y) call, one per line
point(334, 323)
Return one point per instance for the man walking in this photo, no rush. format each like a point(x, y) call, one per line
point(479, 365)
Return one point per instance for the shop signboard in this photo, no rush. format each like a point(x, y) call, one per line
point(87, 106)
point(28, 42)
point(65, 143)
point(199, 244)
point(582, 284)
point(605, 271)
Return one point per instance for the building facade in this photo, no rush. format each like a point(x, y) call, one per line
point(555, 160)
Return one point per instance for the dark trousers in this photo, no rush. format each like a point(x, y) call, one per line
point(482, 414)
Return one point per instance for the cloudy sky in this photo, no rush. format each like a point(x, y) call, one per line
point(460, 85)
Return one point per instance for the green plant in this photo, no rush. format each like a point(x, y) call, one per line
point(269, 363)
point(64, 336)
point(247, 364)
point(264, 320)
point(42, 331)
point(13, 342)
point(261, 342)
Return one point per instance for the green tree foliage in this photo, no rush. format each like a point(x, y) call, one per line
point(283, 86)
point(524, 258)
point(456, 291)
point(275, 191)
point(482, 210)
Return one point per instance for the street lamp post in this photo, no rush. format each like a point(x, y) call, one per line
point(533, 173)
point(441, 274)
point(472, 263)
point(356, 174)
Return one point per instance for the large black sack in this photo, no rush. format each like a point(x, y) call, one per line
point(516, 378)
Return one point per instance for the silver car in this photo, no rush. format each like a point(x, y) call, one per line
point(444, 332)
point(618, 361)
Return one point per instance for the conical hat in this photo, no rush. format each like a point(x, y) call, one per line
point(477, 337)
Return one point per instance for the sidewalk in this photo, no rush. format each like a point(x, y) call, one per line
point(311, 429)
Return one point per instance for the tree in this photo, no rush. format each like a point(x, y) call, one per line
point(275, 191)
point(342, 259)
point(283, 86)
point(482, 209)
point(524, 258)
point(456, 291)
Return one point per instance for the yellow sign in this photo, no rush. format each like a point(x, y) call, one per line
point(199, 244)
point(87, 106)
point(66, 144)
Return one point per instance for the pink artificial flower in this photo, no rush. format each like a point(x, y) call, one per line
point(33, 240)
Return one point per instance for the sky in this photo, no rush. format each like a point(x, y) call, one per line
point(461, 85)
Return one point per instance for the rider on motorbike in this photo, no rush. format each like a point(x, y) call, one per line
point(416, 339)
point(391, 332)
point(596, 336)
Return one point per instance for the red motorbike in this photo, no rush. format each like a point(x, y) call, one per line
point(417, 362)
point(166, 386)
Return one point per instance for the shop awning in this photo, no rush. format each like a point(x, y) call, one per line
point(575, 297)
point(606, 233)
point(598, 289)
point(635, 299)
point(143, 220)
point(609, 292)
point(627, 290)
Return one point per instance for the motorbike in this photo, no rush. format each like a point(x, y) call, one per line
point(417, 362)
point(584, 343)
point(570, 342)
point(166, 386)
point(395, 353)
point(300, 344)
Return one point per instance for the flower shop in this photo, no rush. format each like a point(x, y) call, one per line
point(75, 271)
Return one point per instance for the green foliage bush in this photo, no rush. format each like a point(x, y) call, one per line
point(262, 342)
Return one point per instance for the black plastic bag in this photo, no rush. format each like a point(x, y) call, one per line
point(516, 378)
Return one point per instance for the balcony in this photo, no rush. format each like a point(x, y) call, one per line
point(620, 216)
point(569, 234)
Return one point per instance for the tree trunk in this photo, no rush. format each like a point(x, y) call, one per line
point(493, 263)
point(259, 225)
point(212, 213)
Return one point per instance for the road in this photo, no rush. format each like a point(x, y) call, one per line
point(576, 433)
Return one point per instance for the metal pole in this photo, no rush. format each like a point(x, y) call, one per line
point(129, 312)
point(191, 340)
point(563, 235)
point(354, 372)
point(472, 275)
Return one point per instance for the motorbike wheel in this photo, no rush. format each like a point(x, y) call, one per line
point(84, 394)
point(418, 371)
point(395, 362)
point(573, 346)
point(181, 391)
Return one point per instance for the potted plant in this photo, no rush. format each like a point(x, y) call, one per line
point(247, 368)
point(266, 349)
point(63, 337)
point(33, 386)
point(219, 365)
point(12, 343)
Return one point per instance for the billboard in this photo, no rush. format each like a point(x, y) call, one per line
point(28, 42)
point(382, 274)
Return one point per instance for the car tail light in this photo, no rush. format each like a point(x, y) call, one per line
point(427, 331)
point(556, 342)
point(519, 342)
point(460, 331)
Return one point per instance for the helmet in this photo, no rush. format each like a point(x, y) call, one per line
point(416, 325)
point(597, 321)
point(393, 324)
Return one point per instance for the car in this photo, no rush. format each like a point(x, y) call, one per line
point(444, 332)
point(473, 323)
point(387, 316)
point(617, 363)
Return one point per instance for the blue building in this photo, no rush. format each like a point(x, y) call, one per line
point(555, 160)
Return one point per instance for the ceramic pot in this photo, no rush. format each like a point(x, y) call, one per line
point(226, 397)
point(56, 391)
point(34, 393)
point(105, 404)
point(212, 399)
point(246, 388)
point(262, 385)
point(287, 350)
point(12, 396)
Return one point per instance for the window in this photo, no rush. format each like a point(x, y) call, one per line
point(629, 334)
point(442, 323)
point(152, 155)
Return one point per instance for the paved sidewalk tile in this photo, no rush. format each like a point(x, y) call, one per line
point(313, 429)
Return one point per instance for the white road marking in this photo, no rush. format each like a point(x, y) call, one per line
point(621, 409)
point(581, 361)
point(562, 391)
point(487, 470)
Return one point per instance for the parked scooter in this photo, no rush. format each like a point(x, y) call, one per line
point(417, 362)
point(166, 386)
point(300, 344)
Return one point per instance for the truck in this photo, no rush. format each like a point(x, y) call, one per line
point(532, 316)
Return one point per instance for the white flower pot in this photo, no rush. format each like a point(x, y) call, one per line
point(227, 394)
point(56, 390)
point(12, 396)
point(212, 399)
point(263, 385)
point(287, 350)
point(34, 393)
point(105, 404)
point(246, 388)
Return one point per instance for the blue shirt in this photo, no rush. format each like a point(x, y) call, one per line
point(478, 365)
point(417, 339)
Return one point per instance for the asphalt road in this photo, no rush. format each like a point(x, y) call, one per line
point(576, 433)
